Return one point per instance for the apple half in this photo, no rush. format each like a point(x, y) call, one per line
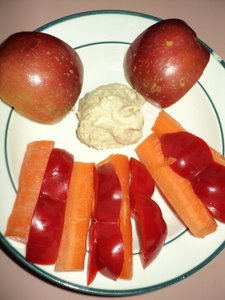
point(165, 61)
point(41, 76)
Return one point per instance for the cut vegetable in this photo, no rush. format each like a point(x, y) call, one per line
point(121, 165)
point(106, 241)
point(193, 160)
point(209, 186)
point(48, 218)
point(164, 123)
point(30, 180)
point(176, 189)
point(72, 250)
point(190, 153)
point(213, 180)
point(152, 229)
point(109, 249)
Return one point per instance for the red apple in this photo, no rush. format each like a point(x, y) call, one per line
point(40, 76)
point(165, 61)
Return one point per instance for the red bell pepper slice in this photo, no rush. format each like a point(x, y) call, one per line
point(209, 186)
point(109, 194)
point(48, 218)
point(151, 226)
point(190, 153)
point(106, 243)
point(194, 161)
point(106, 253)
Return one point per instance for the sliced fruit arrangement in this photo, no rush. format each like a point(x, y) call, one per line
point(76, 206)
point(188, 172)
point(206, 166)
point(63, 204)
point(63, 207)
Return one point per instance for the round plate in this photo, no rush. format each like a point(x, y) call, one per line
point(102, 38)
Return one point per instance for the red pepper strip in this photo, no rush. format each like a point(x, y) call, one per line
point(209, 186)
point(109, 194)
point(92, 268)
point(194, 161)
point(48, 218)
point(106, 242)
point(151, 226)
point(190, 153)
point(107, 251)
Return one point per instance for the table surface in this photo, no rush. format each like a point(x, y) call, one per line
point(207, 17)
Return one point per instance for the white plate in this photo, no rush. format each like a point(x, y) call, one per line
point(101, 38)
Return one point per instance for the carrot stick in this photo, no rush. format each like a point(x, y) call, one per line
point(30, 180)
point(72, 248)
point(217, 157)
point(176, 189)
point(166, 124)
point(121, 165)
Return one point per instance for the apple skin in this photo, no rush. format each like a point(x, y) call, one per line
point(165, 61)
point(41, 76)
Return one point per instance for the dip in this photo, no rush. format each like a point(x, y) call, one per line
point(110, 116)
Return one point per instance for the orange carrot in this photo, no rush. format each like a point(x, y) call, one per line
point(72, 250)
point(121, 165)
point(30, 180)
point(217, 157)
point(176, 189)
point(166, 124)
